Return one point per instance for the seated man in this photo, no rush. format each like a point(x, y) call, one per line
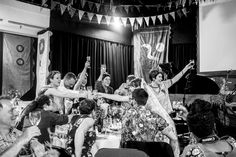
point(11, 139)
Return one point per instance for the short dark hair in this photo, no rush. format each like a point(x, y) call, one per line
point(69, 76)
point(86, 106)
point(201, 119)
point(4, 97)
point(51, 75)
point(153, 74)
point(140, 96)
point(130, 77)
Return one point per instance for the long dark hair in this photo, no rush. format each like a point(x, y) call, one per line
point(201, 120)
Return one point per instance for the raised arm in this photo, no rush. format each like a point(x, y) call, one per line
point(82, 75)
point(181, 73)
point(80, 134)
point(102, 71)
point(114, 97)
point(66, 93)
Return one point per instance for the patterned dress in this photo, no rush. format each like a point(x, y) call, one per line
point(139, 124)
point(198, 150)
point(89, 138)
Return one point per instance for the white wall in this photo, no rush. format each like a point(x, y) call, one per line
point(217, 36)
point(22, 18)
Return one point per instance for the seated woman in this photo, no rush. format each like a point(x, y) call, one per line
point(82, 135)
point(44, 104)
point(201, 122)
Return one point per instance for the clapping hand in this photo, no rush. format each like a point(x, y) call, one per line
point(190, 65)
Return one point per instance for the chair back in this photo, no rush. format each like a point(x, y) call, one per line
point(152, 149)
point(120, 152)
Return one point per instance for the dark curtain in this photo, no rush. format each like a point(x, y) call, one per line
point(69, 52)
point(179, 56)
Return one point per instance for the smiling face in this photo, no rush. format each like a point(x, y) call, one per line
point(106, 81)
point(158, 78)
point(8, 113)
point(69, 83)
point(55, 81)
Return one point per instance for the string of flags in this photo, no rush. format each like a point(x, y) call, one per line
point(123, 20)
point(182, 11)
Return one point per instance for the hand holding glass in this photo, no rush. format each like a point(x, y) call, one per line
point(35, 117)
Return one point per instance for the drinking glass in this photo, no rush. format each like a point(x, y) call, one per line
point(88, 59)
point(90, 88)
point(35, 117)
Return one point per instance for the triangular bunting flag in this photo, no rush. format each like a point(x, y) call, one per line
point(177, 3)
point(153, 19)
point(126, 7)
point(99, 17)
point(184, 11)
point(169, 5)
point(90, 5)
point(138, 8)
point(90, 16)
point(131, 19)
point(107, 8)
point(160, 18)
point(82, 2)
point(72, 11)
point(166, 17)
point(179, 13)
point(189, 2)
point(81, 13)
point(97, 6)
point(44, 2)
point(158, 7)
point(124, 21)
point(146, 20)
point(113, 9)
point(63, 8)
point(108, 19)
point(140, 20)
point(172, 14)
point(53, 4)
point(183, 2)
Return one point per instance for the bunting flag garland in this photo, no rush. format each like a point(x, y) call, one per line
point(160, 18)
point(63, 8)
point(81, 13)
point(72, 12)
point(140, 20)
point(99, 18)
point(124, 21)
point(131, 20)
point(97, 6)
point(166, 17)
point(172, 14)
point(153, 19)
point(134, 21)
point(90, 5)
point(184, 12)
point(90, 16)
point(108, 19)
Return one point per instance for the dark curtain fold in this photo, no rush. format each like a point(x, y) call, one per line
point(179, 56)
point(69, 52)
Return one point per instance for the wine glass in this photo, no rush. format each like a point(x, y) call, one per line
point(88, 60)
point(89, 89)
point(35, 117)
